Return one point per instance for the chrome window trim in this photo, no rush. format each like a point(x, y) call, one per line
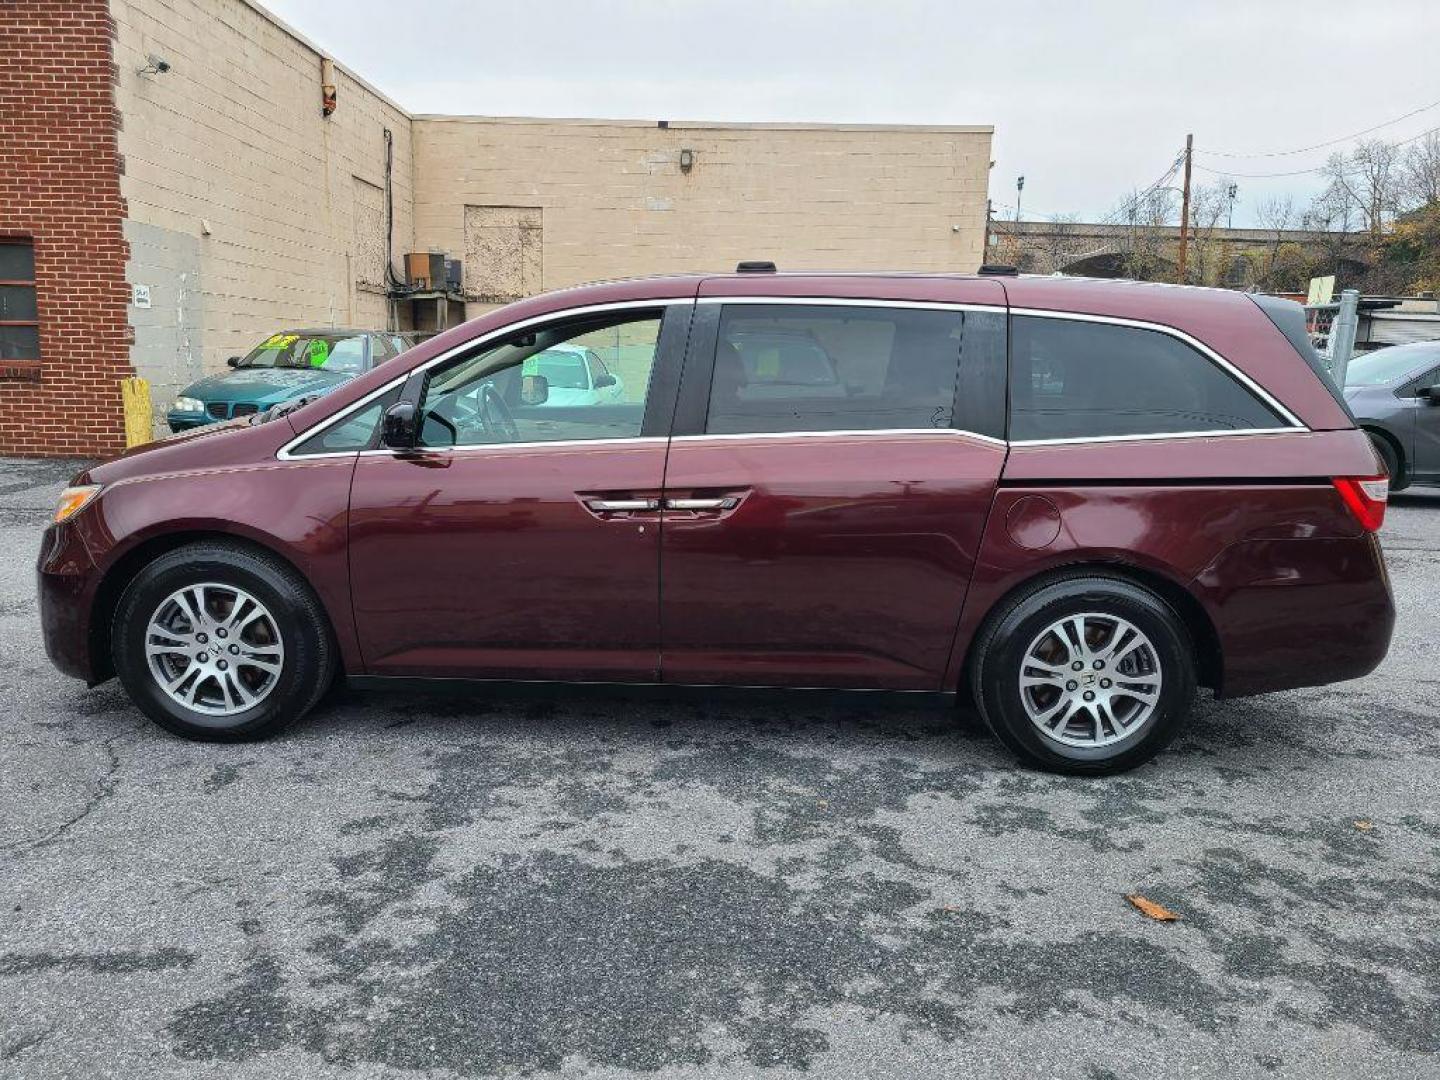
point(1180, 335)
point(284, 453)
point(622, 440)
point(852, 301)
point(1081, 439)
point(849, 433)
point(660, 440)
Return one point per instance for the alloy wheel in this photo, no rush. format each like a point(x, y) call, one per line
point(1090, 680)
point(214, 649)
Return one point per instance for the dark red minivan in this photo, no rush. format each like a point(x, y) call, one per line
point(1073, 501)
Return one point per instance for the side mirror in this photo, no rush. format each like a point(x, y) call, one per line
point(1430, 393)
point(234, 361)
point(534, 390)
point(602, 381)
point(401, 429)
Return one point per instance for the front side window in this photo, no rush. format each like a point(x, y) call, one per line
point(535, 386)
point(1073, 380)
point(783, 368)
point(358, 431)
point(19, 314)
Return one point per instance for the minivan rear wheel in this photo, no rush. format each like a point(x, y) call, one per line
point(1087, 674)
point(221, 643)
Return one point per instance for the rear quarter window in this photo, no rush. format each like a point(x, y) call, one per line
point(1074, 379)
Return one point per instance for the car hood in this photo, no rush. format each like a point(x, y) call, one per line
point(264, 385)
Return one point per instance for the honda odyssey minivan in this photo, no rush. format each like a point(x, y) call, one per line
point(1070, 502)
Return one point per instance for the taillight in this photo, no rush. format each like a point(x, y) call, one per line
point(1366, 497)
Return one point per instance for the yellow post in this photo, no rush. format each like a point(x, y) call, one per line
point(139, 416)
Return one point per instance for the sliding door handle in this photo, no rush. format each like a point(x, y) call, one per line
point(728, 502)
point(610, 506)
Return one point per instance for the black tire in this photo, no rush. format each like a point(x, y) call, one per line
point(308, 666)
point(1386, 449)
point(1001, 645)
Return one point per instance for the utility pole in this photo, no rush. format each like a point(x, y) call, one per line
point(1230, 215)
point(1019, 190)
point(1185, 211)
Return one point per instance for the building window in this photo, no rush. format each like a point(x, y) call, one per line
point(19, 316)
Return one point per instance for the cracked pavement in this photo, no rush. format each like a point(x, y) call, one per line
point(461, 887)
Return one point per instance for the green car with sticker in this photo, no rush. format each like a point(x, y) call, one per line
point(287, 365)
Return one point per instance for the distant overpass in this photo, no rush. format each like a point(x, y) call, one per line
point(1229, 256)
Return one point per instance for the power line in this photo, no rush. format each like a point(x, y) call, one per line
point(1300, 172)
point(1322, 145)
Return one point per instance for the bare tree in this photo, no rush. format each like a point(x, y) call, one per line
point(1420, 173)
point(1142, 248)
point(1207, 261)
point(1368, 180)
point(1280, 263)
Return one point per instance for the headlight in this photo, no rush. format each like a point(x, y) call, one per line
point(188, 404)
point(73, 500)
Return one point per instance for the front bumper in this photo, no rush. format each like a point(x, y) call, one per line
point(186, 421)
point(67, 580)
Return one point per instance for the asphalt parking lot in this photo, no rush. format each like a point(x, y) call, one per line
point(449, 887)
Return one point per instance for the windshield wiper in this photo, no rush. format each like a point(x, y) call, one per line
point(288, 406)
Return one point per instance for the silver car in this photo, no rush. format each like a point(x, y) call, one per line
point(1395, 396)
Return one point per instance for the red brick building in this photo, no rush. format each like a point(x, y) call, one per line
point(64, 334)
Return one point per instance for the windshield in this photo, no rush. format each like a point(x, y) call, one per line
point(1387, 365)
point(565, 370)
point(330, 352)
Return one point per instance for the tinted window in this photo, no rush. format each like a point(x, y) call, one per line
point(1073, 379)
point(782, 368)
point(358, 431)
point(490, 396)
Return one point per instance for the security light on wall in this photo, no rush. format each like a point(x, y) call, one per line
point(687, 160)
point(154, 65)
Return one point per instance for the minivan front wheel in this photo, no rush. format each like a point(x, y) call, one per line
point(1087, 674)
point(221, 643)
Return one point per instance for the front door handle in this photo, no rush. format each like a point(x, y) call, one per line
point(612, 506)
point(728, 502)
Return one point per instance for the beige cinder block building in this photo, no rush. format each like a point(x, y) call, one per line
point(536, 204)
point(246, 208)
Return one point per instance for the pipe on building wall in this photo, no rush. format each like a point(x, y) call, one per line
point(327, 86)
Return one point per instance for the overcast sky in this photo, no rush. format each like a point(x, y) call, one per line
point(1088, 100)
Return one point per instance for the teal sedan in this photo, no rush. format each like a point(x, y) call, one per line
point(290, 364)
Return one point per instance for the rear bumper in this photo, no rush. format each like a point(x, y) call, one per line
point(66, 582)
point(1298, 612)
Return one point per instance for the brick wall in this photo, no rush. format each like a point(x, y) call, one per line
point(60, 187)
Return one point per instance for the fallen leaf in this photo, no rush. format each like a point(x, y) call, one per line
point(1150, 909)
point(1363, 825)
point(824, 804)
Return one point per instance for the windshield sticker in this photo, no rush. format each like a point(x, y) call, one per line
point(319, 352)
point(279, 341)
